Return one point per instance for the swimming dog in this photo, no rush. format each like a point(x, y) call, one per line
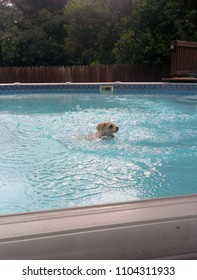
point(105, 130)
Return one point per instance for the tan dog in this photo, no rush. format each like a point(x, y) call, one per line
point(105, 130)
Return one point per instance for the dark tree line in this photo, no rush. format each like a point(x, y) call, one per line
point(65, 32)
point(32, 32)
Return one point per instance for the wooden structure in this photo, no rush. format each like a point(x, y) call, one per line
point(184, 59)
point(87, 73)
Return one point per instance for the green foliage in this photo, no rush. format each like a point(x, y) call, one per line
point(93, 28)
point(32, 33)
point(9, 46)
point(154, 24)
point(59, 32)
point(34, 6)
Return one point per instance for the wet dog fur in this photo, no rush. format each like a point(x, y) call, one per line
point(105, 130)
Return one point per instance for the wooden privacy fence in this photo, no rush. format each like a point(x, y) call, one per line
point(92, 73)
point(183, 58)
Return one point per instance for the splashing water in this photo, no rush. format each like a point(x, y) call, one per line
point(45, 164)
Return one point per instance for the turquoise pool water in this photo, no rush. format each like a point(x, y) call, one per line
point(46, 164)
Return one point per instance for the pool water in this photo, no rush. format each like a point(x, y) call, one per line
point(46, 163)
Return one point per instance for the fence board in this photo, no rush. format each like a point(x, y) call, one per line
point(183, 58)
point(92, 73)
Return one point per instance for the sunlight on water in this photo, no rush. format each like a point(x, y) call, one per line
point(45, 163)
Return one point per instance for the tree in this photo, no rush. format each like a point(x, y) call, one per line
point(153, 26)
point(59, 32)
point(30, 7)
point(33, 33)
point(9, 32)
point(93, 27)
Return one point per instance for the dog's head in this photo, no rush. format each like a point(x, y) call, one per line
point(107, 129)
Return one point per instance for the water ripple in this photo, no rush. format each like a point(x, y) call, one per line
point(45, 163)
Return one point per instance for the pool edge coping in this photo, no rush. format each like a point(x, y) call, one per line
point(155, 226)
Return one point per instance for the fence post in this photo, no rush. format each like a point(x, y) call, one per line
point(83, 73)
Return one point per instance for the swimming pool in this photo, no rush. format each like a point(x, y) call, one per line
point(44, 163)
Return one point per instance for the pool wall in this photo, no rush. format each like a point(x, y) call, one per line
point(150, 229)
point(108, 88)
